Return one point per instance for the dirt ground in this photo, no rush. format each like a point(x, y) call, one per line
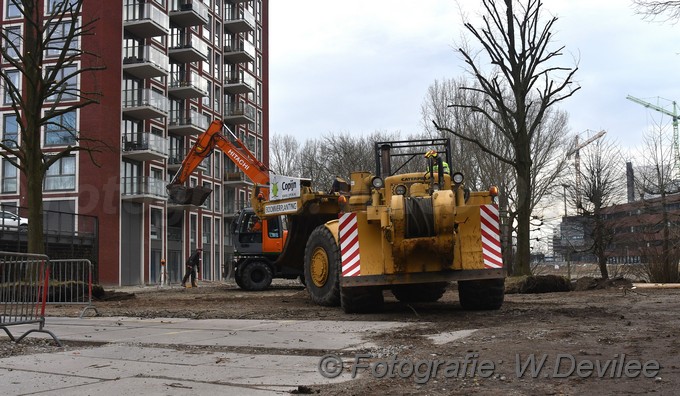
point(597, 328)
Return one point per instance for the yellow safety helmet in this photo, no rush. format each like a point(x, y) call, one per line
point(431, 154)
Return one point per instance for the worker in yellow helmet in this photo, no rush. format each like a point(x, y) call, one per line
point(435, 168)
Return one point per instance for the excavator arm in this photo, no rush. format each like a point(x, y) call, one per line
point(204, 146)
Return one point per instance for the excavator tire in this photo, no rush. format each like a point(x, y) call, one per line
point(364, 299)
point(254, 276)
point(237, 278)
point(421, 292)
point(481, 295)
point(322, 267)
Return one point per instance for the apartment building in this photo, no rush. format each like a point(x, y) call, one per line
point(172, 66)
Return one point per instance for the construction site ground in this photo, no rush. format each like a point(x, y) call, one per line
point(591, 342)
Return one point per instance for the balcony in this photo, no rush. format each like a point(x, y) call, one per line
point(239, 113)
point(193, 124)
point(240, 84)
point(194, 51)
point(145, 147)
point(185, 13)
point(239, 52)
point(193, 87)
point(152, 63)
point(232, 208)
point(175, 158)
point(144, 104)
point(240, 21)
point(236, 179)
point(147, 21)
point(144, 189)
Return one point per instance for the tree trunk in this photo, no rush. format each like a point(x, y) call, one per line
point(36, 240)
point(522, 260)
point(32, 136)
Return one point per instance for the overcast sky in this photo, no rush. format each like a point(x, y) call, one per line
point(358, 66)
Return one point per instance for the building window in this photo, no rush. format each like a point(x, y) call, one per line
point(206, 29)
point(61, 6)
point(12, 45)
point(60, 33)
point(216, 98)
point(207, 227)
point(12, 10)
point(207, 204)
point(9, 177)
point(61, 130)
point(15, 78)
point(156, 223)
point(10, 130)
point(193, 228)
point(61, 175)
point(207, 99)
point(217, 195)
point(217, 65)
point(66, 87)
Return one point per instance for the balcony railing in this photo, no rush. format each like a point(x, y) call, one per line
point(191, 124)
point(145, 21)
point(145, 103)
point(145, 146)
point(193, 87)
point(239, 51)
point(240, 83)
point(239, 113)
point(186, 13)
point(147, 63)
point(232, 207)
point(240, 21)
point(176, 156)
point(141, 187)
point(192, 50)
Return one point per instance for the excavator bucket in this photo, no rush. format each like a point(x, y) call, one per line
point(184, 195)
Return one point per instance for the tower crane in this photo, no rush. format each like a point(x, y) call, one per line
point(674, 116)
point(577, 164)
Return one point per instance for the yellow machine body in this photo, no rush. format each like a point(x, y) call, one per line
point(414, 225)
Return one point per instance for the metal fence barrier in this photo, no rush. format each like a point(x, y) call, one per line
point(71, 283)
point(23, 292)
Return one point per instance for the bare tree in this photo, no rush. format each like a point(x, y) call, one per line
point(523, 84)
point(284, 155)
point(652, 9)
point(481, 170)
point(45, 63)
point(602, 176)
point(655, 183)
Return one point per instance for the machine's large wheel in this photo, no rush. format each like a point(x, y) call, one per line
point(322, 267)
point(481, 295)
point(254, 276)
point(237, 278)
point(420, 292)
point(362, 299)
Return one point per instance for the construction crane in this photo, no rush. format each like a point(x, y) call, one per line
point(577, 164)
point(674, 116)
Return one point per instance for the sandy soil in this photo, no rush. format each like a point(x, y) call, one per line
point(595, 328)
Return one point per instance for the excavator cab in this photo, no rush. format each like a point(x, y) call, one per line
point(254, 236)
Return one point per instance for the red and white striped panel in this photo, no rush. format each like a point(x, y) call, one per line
point(491, 236)
point(349, 244)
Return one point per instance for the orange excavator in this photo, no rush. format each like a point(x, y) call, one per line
point(261, 252)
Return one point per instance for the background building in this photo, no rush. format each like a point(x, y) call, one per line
point(172, 66)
